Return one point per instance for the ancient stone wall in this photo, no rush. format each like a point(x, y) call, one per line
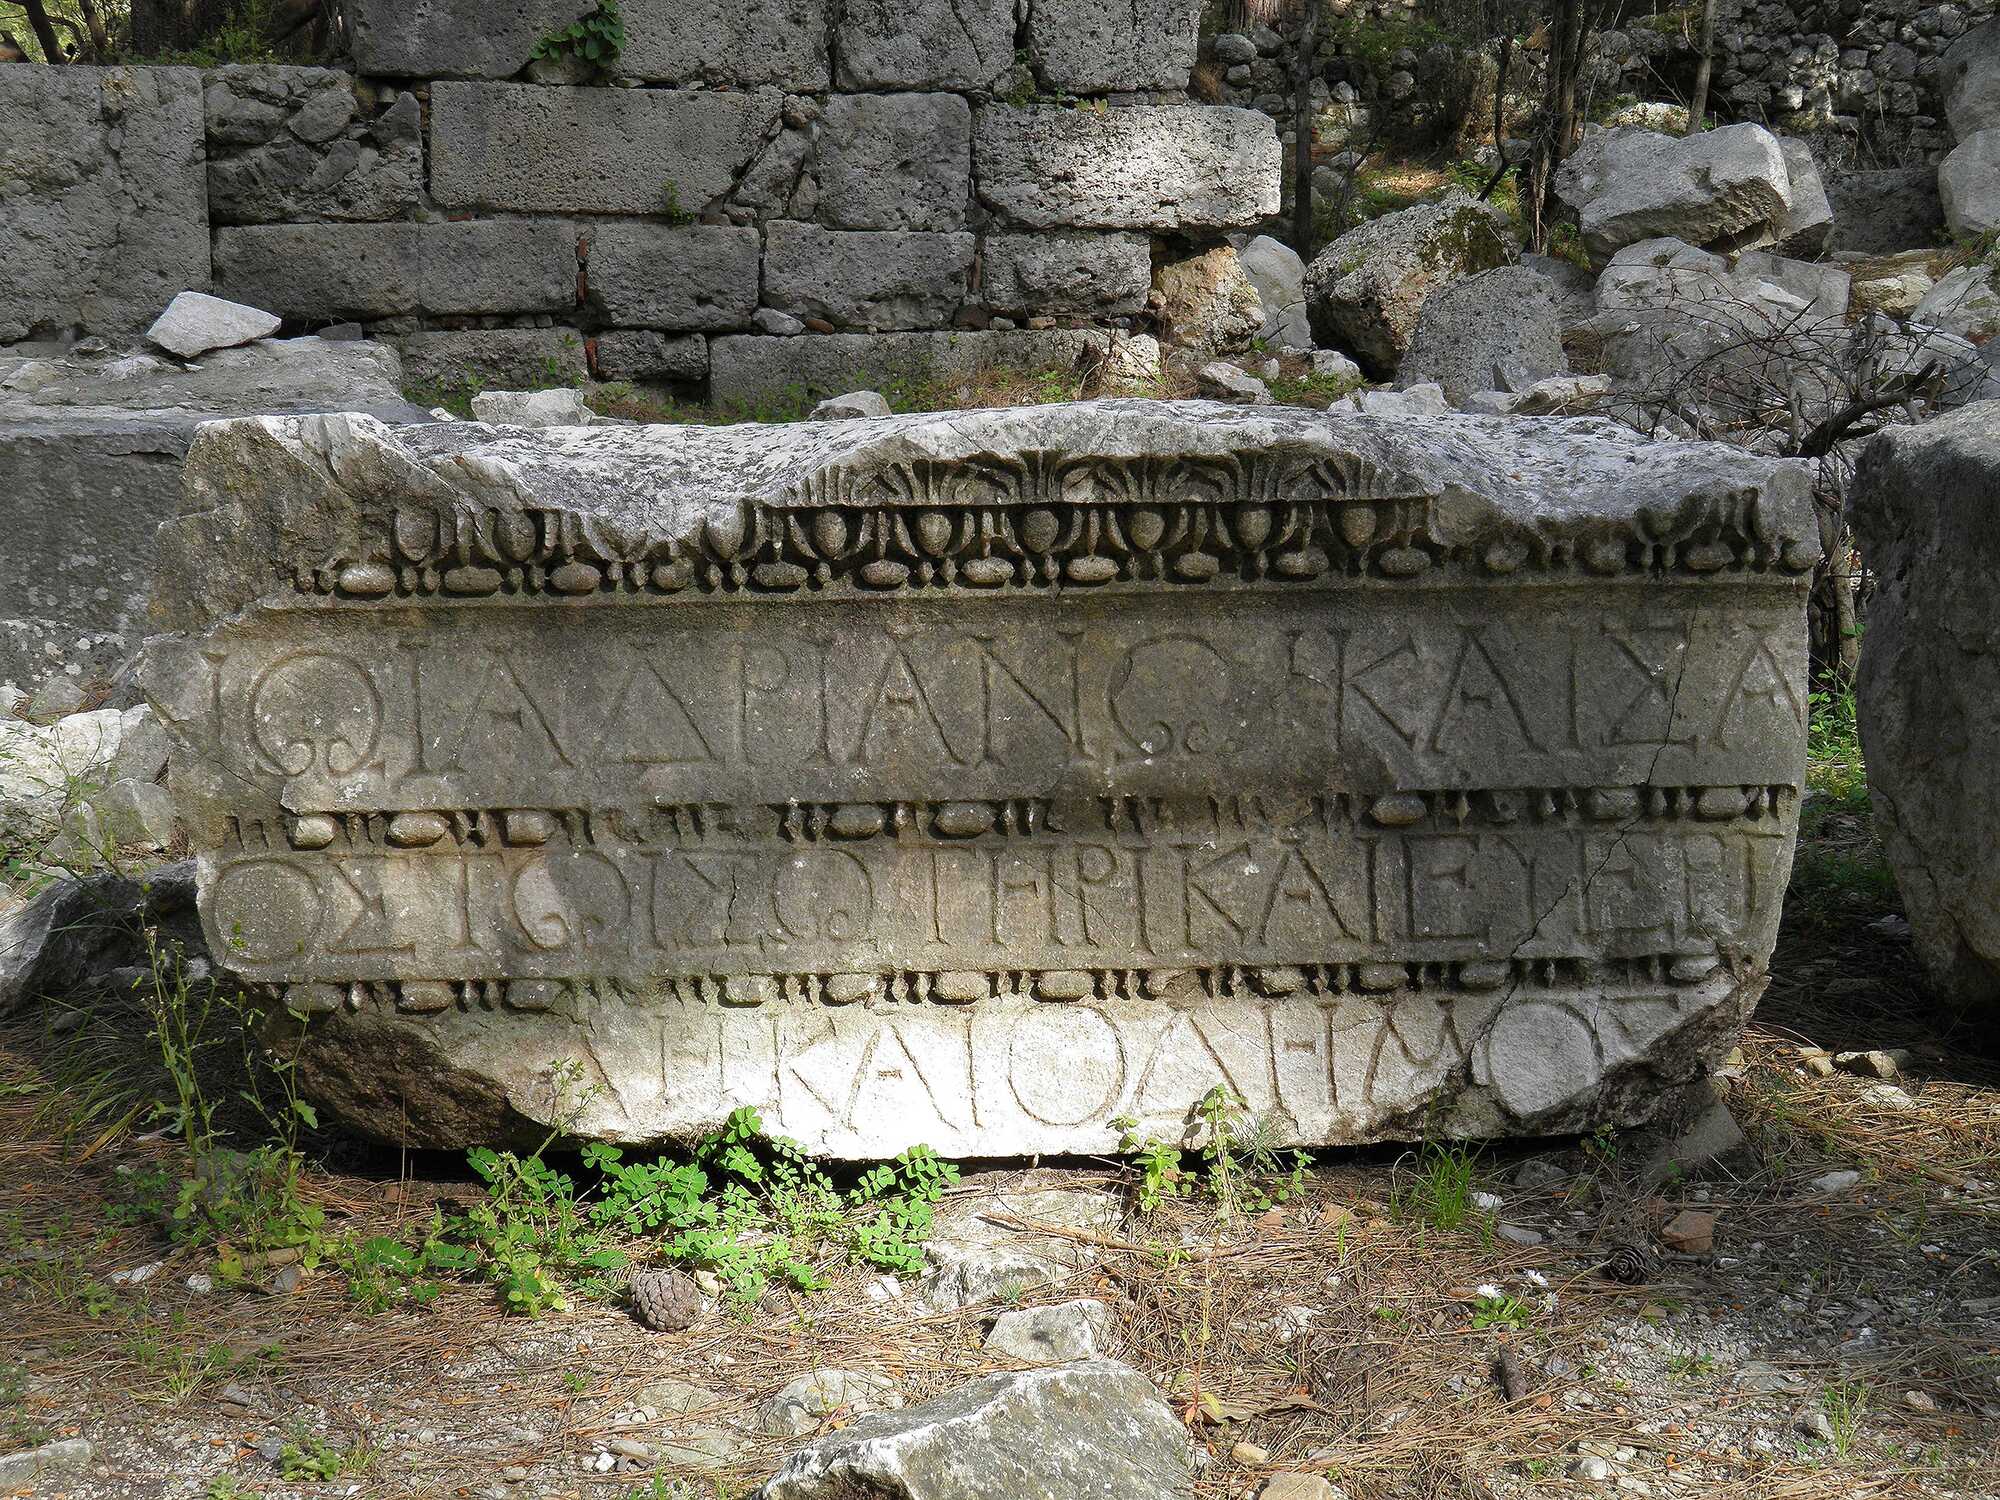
point(739, 175)
point(980, 779)
point(1857, 75)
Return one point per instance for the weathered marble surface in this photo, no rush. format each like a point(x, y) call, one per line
point(976, 779)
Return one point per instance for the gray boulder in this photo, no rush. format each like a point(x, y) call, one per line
point(808, 1401)
point(86, 937)
point(1808, 225)
point(1965, 301)
point(195, 323)
point(1053, 1334)
point(1279, 275)
point(1968, 80)
point(1825, 289)
point(1573, 288)
point(1095, 1428)
point(1969, 184)
point(1922, 503)
point(1727, 188)
point(1496, 329)
point(1365, 291)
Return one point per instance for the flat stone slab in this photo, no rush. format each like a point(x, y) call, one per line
point(978, 779)
point(90, 453)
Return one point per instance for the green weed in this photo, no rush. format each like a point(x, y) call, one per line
point(595, 40)
point(1502, 1311)
point(1439, 1193)
point(1844, 1402)
point(1233, 1164)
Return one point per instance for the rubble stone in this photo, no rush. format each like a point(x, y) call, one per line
point(196, 323)
point(1094, 1428)
point(1727, 188)
point(1365, 290)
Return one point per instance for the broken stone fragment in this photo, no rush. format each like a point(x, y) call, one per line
point(557, 408)
point(850, 406)
point(1691, 1231)
point(194, 323)
point(1053, 1334)
point(1093, 1428)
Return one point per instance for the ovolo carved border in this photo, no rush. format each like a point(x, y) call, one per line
point(1306, 982)
point(1039, 523)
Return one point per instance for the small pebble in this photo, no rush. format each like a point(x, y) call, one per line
point(514, 1474)
point(1250, 1455)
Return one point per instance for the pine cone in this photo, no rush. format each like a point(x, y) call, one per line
point(664, 1299)
point(1629, 1264)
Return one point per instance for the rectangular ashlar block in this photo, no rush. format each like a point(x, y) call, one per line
point(980, 779)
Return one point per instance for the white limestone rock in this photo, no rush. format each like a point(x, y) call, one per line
point(1054, 1333)
point(1094, 1428)
point(808, 1401)
point(853, 405)
point(1964, 301)
point(1728, 188)
point(1366, 290)
point(194, 323)
point(1279, 275)
point(556, 408)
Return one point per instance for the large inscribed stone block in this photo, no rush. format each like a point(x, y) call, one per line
point(978, 779)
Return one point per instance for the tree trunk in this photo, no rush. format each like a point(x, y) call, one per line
point(1699, 105)
point(1304, 60)
point(1568, 43)
point(44, 30)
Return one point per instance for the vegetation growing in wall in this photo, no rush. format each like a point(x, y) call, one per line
point(594, 41)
